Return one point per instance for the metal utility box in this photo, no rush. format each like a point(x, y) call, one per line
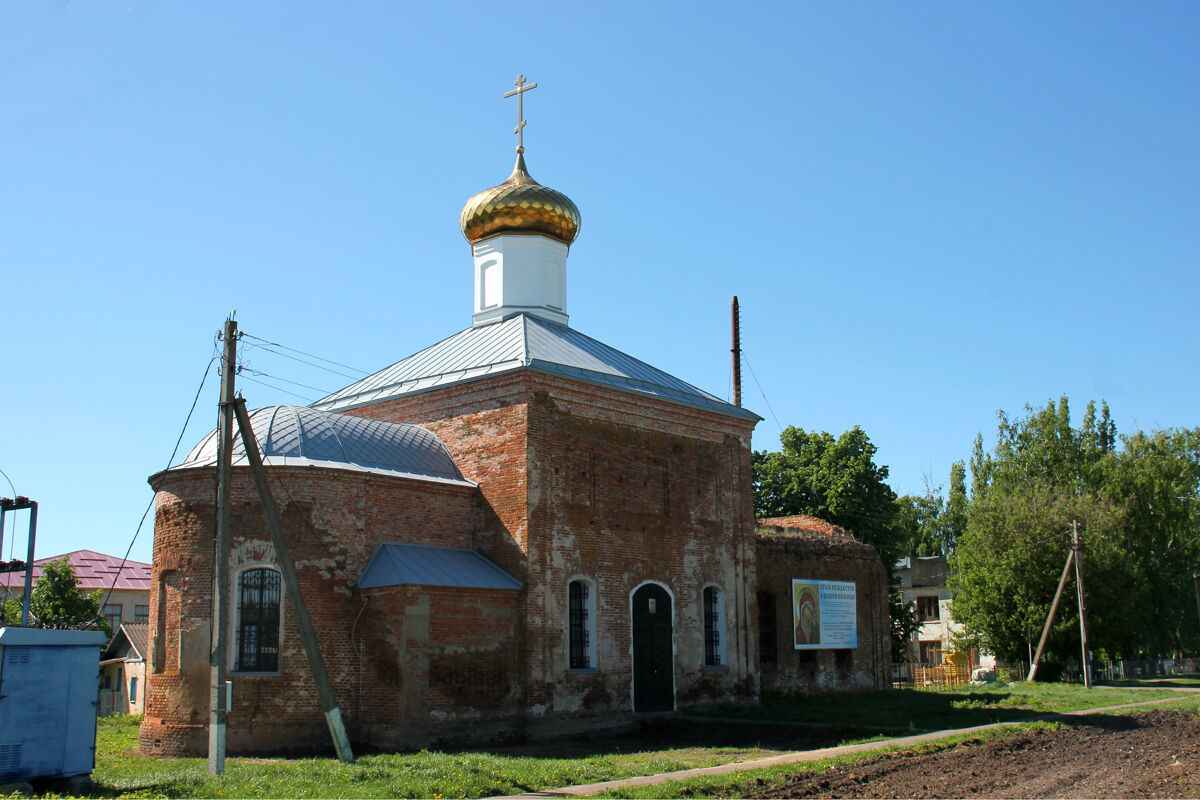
point(48, 698)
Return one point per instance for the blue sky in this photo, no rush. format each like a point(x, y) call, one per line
point(930, 211)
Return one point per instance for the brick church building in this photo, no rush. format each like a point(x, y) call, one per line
point(514, 532)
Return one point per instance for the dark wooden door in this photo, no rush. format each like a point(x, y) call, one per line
point(653, 661)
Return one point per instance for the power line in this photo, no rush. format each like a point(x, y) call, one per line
point(171, 460)
point(281, 389)
point(361, 372)
point(244, 369)
point(760, 391)
point(14, 536)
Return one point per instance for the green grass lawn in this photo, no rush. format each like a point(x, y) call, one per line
point(121, 772)
point(961, 707)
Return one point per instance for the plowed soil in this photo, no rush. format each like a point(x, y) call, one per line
point(1149, 754)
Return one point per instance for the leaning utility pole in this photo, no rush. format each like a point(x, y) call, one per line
point(1062, 582)
point(1077, 549)
point(308, 636)
point(218, 657)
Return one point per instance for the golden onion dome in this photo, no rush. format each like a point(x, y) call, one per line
point(521, 205)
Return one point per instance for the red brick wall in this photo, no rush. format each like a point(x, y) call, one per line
point(483, 424)
point(334, 520)
point(441, 664)
point(579, 480)
point(623, 493)
point(575, 480)
point(866, 667)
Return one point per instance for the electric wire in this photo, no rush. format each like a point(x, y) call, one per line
point(171, 460)
point(265, 343)
point(242, 370)
point(302, 361)
point(14, 536)
point(280, 389)
point(12, 539)
point(760, 391)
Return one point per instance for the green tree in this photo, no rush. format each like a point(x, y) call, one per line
point(1135, 505)
point(919, 523)
point(1007, 566)
point(904, 626)
point(838, 481)
point(954, 518)
point(1155, 479)
point(10, 612)
point(58, 602)
point(834, 479)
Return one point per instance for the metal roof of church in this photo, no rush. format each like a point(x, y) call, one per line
point(395, 564)
point(300, 436)
point(523, 341)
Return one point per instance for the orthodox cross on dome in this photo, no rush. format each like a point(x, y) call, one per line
point(520, 91)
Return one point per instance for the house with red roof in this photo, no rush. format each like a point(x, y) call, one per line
point(126, 583)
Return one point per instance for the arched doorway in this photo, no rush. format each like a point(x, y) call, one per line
point(653, 660)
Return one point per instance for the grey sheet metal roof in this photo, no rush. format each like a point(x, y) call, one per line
point(523, 341)
point(129, 643)
point(423, 565)
point(299, 436)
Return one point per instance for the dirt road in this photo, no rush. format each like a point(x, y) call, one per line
point(1149, 754)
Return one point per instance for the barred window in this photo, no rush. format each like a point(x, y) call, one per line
point(714, 627)
point(581, 625)
point(258, 621)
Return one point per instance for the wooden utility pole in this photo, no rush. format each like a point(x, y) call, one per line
point(1076, 548)
point(737, 352)
point(1062, 582)
point(218, 658)
point(333, 716)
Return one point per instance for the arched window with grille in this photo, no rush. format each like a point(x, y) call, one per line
point(714, 627)
point(259, 593)
point(581, 625)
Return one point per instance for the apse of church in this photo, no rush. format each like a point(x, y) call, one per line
point(516, 531)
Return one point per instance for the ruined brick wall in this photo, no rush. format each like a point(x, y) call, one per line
point(334, 520)
point(820, 554)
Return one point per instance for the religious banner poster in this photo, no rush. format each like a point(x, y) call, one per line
point(823, 614)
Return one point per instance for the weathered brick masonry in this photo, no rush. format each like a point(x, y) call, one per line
point(334, 520)
point(578, 481)
point(809, 548)
point(618, 497)
point(574, 481)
